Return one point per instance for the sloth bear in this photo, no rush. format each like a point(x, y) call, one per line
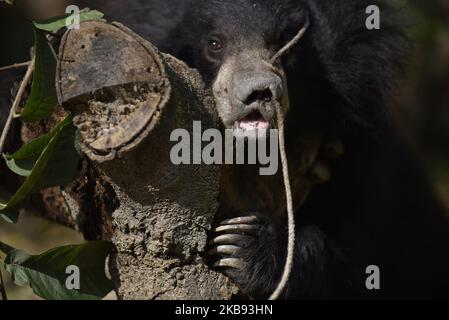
point(378, 212)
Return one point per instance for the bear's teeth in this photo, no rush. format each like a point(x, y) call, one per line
point(252, 125)
point(252, 121)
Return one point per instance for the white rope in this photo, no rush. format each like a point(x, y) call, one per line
point(288, 191)
point(291, 43)
point(291, 218)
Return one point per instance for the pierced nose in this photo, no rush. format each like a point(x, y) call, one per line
point(260, 96)
point(258, 89)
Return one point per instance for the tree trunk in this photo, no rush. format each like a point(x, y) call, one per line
point(128, 98)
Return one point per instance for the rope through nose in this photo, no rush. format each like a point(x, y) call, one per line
point(291, 43)
point(288, 192)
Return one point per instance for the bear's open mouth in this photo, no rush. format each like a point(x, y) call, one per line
point(254, 120)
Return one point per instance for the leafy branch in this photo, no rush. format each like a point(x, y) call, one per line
point(55, 150)
point(16, 103)
point(49, 160)
point(46, 273)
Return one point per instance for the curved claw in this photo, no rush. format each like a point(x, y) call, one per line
point(244, 228)
point(227, 239)
point(240, 220)
point(225, 249)
point(230, 263)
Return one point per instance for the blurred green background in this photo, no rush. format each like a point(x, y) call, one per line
point(421, 109)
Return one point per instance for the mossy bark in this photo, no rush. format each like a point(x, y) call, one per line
point(128, 98)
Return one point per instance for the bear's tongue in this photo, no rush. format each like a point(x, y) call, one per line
point(253, 121)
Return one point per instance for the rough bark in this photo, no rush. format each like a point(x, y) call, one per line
point(128, 98)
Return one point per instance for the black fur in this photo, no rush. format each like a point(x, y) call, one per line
point(378, 208)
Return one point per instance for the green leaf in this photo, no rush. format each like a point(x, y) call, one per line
point(35, 147)
point(54, 24)
point(23, 160)
point(46, 273)
point(56, 165)
point(21, 167)
point(10, 2)
point(63, 162)
point(42, 99)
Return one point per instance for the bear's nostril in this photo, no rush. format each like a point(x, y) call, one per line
point(259, 96)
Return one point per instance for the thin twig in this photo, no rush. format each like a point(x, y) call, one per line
point(51, 33)
point(52, 50)
point(2, 288)
point(16, 103)
point(16, 66)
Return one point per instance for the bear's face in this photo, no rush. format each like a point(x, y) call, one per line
point(236, 41)
point(340, 68)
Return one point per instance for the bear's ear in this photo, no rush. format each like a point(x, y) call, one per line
point(361, 65)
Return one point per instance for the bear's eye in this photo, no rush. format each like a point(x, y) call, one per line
point(215, 45)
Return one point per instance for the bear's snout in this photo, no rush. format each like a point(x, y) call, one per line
point(257, 88)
